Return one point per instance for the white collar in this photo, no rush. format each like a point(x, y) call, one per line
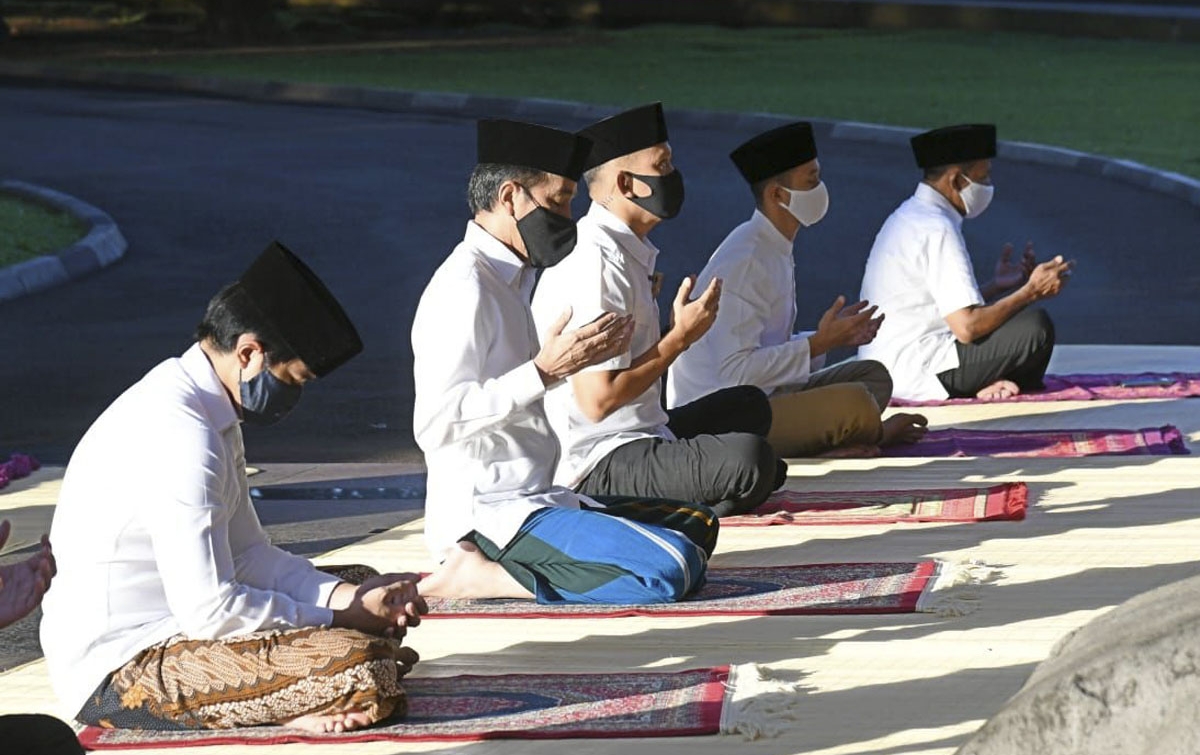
point(499, 257)
point(769, 234)
point(213, 397)
point(926, 194)
point(641, 250)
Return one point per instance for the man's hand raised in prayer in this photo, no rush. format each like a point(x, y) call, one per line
point(564, 354)
point(691, 319)
point(23, 584)
point(1010, 273)
point(1048, 278)
point(844, 326)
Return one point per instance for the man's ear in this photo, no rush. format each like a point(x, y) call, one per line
point(248, 350)
point(778, 193)
point(624, 183)
point(506, 197)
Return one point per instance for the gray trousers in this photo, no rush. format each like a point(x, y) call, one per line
point(1019, 350)
point(837, 406)
point(720, 458)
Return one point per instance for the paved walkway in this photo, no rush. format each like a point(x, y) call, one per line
point(1100, 530)
point(375, 201)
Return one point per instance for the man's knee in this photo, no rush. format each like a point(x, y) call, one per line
point(1043, 328)
point(878, 381)
point(755, 408)
point(374, 673)
point(755, 461)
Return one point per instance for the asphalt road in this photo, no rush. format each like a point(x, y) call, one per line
point(374, 202)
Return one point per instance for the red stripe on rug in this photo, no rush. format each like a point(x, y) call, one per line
point(1092, 387)
point(813, 589)
point(510, 706)
point(1007, 501)
point(1150, 441)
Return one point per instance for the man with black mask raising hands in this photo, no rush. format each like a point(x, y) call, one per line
point(617, 439)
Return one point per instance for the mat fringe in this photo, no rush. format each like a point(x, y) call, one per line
point(954, 589)
point(755, 703)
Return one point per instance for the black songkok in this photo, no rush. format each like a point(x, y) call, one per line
point(529, 145)
point(300, 310)
point(774, 152)
point(625, 133)
point(954, 144)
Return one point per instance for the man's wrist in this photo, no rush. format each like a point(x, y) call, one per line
point(817, 345)
point(674, 342)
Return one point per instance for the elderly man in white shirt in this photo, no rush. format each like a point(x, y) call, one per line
point(171, 608)
point(494, 518)
point(944, 336)
point(817, 410)
point(617, 439)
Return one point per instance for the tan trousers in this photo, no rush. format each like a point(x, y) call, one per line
point(838, 406)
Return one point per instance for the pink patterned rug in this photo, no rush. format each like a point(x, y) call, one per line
point(1087, 387)
point(1151, 441)
point(510, 706)
point(999, 502)
point(745, 591)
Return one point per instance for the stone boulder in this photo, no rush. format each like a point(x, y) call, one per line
point(1127, 683)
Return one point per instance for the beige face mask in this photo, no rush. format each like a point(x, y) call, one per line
point(807, 206)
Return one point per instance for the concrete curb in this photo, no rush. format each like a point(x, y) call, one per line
point(470, 105)
point(102, 245)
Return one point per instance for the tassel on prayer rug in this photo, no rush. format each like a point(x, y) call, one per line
point(527, 706)
point(1064, 444)
point(1007, 501)
point(1091, 387)
point(852, 588)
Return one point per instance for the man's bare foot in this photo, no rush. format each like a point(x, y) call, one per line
point(903, 427)
point(851, 452)
point(467, 573)
point(329, 723)
point(998, 390)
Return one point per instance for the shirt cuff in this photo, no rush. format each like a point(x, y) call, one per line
point(523, 384)
point(326, 588)
point(313, 616)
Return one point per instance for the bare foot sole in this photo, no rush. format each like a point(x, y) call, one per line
point(851, 452)
point(904, 428)
point(329, 723)
point(999, 389)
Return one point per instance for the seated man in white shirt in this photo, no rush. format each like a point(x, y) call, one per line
point(832, 411)
point(171, 608)
point(617, 439)
point(943, 336)
point(493, 517)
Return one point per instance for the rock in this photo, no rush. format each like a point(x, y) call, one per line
point(1126, 683)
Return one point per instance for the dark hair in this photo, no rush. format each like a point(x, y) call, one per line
point(230, 314)
point(937, 171)
point(758, 188)
point(487, 178)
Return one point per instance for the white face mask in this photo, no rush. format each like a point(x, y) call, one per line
point(807, 206)
point(976, 197)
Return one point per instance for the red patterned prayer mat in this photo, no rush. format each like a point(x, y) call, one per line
point(1150, 441)
point(511, 706)
point(999, 502)
point(747, 591)
point(1087, 387)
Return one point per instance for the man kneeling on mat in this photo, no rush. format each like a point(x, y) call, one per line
point(492, 516)
point(171, 608)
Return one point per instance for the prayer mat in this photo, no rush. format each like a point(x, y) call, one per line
point(999, 502)
point(508, 706)
point(1088, 387)
point(1150, 441)
point(814, 589)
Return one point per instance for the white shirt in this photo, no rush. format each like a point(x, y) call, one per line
point(155, 535)
point(918, 272)
point(751, 342)
point(478, 414)
point(609, 271)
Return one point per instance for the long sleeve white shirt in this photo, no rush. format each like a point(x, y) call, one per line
point(478, 414)
point(751, 342)
point(155, 535)
point(918, 272)
point(609, 271)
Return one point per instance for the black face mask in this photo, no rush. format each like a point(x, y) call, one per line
point(548, 236)
point(666, 194)
point(266, 399)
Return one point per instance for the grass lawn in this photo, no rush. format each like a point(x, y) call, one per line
point(1131, 99)
point(28, 230)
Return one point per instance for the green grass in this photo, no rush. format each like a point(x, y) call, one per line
point(28, 230)
point(1131, 99)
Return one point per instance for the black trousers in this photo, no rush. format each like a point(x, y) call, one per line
point(721, 457)
point(1019, 350)
point(35, 733)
